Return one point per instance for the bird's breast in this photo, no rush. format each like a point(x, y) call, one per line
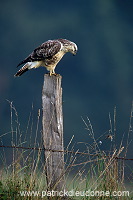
point(53, 61)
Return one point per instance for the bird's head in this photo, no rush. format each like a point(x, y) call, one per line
point(69, 46)
point(73, 48)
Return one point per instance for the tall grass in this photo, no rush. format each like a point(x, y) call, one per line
point(97, 171)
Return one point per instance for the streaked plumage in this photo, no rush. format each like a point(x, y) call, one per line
point(48, 54)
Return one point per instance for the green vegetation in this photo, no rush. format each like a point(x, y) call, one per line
point(92, 174)
point(104, 177)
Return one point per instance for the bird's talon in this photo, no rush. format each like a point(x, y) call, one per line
point(53, 74)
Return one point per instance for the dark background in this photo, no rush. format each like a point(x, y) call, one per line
point(95, 81)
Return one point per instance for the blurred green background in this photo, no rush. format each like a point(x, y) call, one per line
point(95, 81)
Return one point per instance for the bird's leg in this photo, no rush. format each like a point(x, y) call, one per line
point(52, 72)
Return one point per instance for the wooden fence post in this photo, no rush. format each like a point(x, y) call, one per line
point(53, 132)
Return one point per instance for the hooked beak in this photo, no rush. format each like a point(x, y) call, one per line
point(75, 52)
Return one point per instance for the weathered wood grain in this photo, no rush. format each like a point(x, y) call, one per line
point(53, 131)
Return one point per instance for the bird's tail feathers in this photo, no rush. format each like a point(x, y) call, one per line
point(27, 66)
point(23, 70)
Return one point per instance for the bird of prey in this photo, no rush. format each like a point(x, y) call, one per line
point(48, 54)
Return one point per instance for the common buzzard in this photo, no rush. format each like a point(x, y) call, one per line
point(48, 54)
